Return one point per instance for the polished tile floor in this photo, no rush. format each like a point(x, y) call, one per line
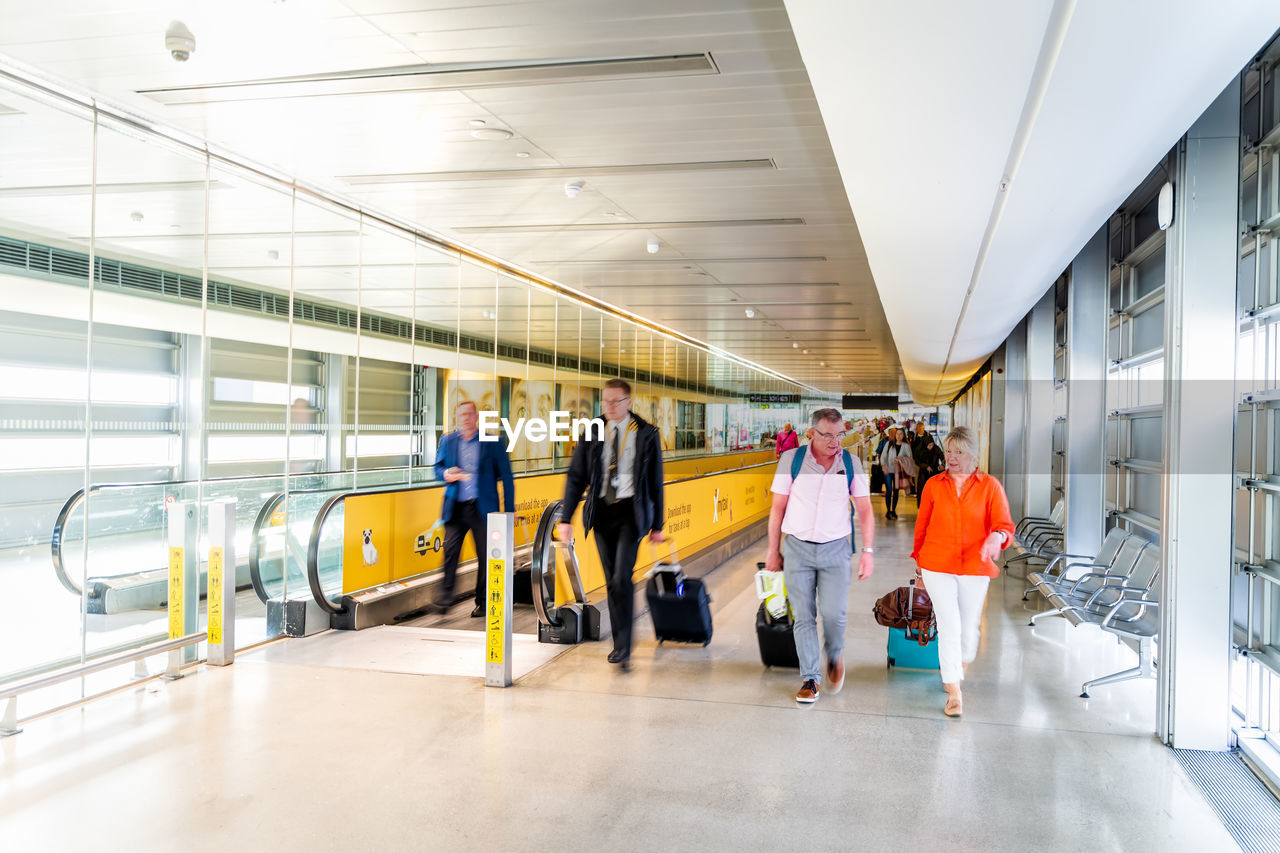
point(695, 749)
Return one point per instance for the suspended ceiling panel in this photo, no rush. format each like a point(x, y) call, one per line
point(754, 105)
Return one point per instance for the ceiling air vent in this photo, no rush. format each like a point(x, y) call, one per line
point(414, 78)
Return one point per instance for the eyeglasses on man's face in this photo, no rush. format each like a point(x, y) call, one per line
point(830, 436)
point(617, 401)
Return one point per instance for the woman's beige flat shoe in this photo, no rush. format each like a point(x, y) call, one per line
point(953, 706)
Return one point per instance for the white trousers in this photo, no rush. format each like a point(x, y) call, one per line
point(957, 605)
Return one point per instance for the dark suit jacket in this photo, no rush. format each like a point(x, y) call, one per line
point(586, 472)
point(494, 464)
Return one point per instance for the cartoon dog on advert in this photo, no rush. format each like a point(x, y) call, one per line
point(370, 552)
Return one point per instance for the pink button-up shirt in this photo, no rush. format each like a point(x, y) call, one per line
point(818, 506)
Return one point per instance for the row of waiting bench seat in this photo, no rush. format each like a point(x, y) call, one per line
point(1117, 590)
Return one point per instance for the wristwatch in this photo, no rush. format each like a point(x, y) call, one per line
point(868, 550)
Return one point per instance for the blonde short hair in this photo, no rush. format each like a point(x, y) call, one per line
point(964, 438)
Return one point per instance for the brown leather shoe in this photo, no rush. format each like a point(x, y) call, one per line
point(808, 693)
point(835, 675)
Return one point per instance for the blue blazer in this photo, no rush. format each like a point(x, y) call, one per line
point(494, 464)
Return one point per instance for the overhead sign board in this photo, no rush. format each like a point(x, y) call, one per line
point(794, 399)
point(871, 401)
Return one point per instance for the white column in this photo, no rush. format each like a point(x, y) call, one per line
point(1200, 341)
point(1086, 396)
point(1015, 417)
point(1039, 408)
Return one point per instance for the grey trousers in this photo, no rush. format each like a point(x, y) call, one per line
point(818, 577)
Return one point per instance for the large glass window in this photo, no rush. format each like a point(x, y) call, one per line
point(1255, 600)
point(1135, 364)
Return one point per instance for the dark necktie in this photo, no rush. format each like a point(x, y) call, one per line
point(610, 489)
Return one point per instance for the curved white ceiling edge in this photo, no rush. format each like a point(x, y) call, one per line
point(930, 105)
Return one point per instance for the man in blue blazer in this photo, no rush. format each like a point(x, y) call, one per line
point(471, 469)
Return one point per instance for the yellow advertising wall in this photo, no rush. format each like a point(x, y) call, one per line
point(405, 537)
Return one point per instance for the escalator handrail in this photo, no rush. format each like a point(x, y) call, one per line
point(313, 550)
point(544, 547)
point(55, 544)
point(255, 541)
point(255, 544)
point(543, 542)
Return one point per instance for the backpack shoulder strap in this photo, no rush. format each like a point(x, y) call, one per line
point(796, 461)
point(848, 468)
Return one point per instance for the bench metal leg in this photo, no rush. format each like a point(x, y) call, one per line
point(9, 721)
point(1145, 669)
point(1036, 616)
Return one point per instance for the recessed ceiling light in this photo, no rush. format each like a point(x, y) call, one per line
point(795, 345)
point(489, 315)
point(476, 122)
point(495, 134)
point(136, 216)
point(805, 351)
point(522, 154)
point(751, 313)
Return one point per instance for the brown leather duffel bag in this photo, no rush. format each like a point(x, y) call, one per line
point(908, 607)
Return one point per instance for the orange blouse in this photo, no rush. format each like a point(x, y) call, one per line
point(951, 528)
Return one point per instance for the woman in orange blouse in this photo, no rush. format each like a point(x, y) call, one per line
point(962, 526)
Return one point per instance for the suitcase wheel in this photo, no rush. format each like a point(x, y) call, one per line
point(889, 665)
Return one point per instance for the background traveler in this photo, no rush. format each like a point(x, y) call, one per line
point(471, 469)
point(894, 448)
point(787, 440)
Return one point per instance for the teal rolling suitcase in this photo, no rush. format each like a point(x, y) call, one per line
point(906, 652)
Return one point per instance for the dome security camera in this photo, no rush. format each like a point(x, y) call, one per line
point(179, 41)
point(573, 189)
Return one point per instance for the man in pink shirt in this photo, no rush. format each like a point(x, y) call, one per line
point(787, 440)
point(813, 510)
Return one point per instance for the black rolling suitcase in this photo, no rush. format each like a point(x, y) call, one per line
point(680, 606)
point(776, 637)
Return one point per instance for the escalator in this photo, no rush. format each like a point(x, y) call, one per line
point(401, 596)
point(127, 551)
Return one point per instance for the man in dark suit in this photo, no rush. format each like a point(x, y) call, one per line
point(471, 468)
point(623, 478)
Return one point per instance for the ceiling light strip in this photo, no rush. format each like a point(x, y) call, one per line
point(627, 226)
point(651, 261)
point(416, 78)
point(554, 172)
